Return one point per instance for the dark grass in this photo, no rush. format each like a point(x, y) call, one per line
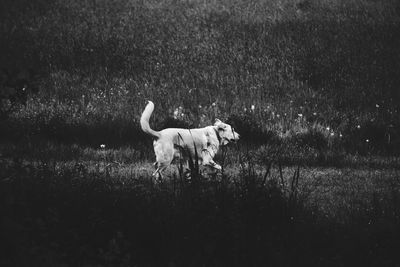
point(77, 217)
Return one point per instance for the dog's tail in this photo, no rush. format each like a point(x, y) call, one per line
point(144, 120)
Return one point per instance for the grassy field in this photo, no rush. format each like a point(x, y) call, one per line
point(312, 86)
point(325, 70)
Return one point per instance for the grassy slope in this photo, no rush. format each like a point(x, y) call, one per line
point(333, 62)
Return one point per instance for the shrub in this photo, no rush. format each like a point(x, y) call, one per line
point(249, 129)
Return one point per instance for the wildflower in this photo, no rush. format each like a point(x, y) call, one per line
point(102, 146)
point(213, 104)
point(245, 109)
point(332, 133)
point(315, 113)
point(200, 106)
point(300, 115)
point(278, 116)
point(367, 140)
point(176, 113)
point(328, 128)
point(377, 105)
point(340, 135)
point(358, 126)
point(253, 107)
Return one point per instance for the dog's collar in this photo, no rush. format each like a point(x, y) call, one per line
point(218, 137)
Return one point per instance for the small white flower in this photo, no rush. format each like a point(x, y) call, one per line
point(328, 128)
point(176, 113)
point(300, 115)
point(278, 116)
point(253, 107)
point(200, 106)
point(332, 133)
point(367, 140)
point(315, 113)
point(358, 126)
point(245, 109)
point(213, 104)
point(340, 135)
point(377, 105)
point(102, 146)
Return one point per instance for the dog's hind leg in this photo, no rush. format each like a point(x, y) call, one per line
point(164, 156)
point(158, 172)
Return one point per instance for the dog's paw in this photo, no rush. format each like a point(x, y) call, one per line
point(217, 167)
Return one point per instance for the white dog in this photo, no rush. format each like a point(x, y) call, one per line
point(172, 143)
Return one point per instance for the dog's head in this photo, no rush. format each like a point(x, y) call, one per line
point(225, 132)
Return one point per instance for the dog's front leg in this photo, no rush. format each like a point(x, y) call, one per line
point(215, 165)
point(208, 160)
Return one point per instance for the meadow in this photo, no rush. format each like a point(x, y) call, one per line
point(312, 86)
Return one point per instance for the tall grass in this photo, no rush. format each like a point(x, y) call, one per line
point(82, 210)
